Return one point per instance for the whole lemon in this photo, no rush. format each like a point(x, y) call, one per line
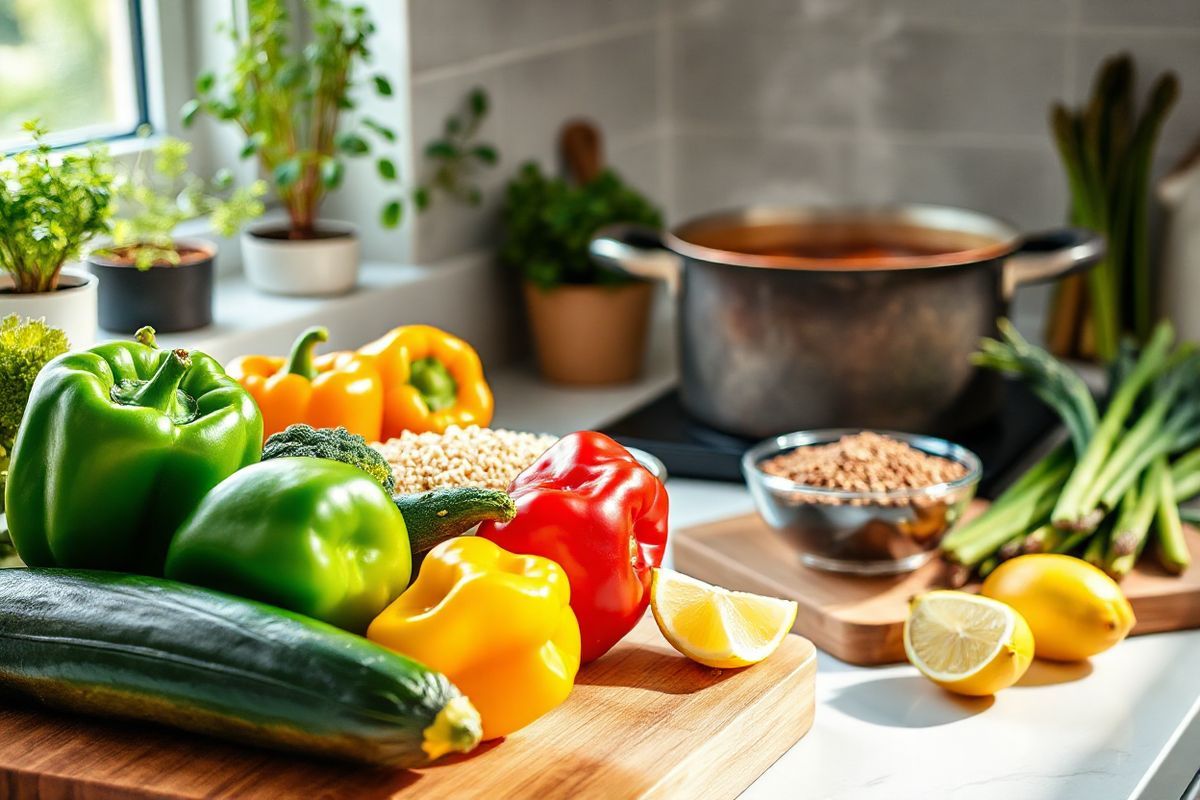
point(1074, 610)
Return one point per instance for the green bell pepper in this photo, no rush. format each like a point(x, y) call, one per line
point(118, 445)
point(311, 535)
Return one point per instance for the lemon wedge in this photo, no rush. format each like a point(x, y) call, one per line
point(715, 626)
point(966, 643)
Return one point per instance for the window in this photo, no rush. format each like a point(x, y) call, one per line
point(75, 64)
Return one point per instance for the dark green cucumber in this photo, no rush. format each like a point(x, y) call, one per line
point(150, 649)
point(433, 517)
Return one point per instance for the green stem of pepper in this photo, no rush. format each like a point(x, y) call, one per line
point(300, 360)
point(145, 335)
point(161, 391)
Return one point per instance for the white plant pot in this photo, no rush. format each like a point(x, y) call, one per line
point(72, 307)
point(302, 267)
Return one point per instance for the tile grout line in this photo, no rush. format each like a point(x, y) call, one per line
point(508, 57)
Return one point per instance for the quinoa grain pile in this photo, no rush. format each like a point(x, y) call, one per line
point(864, 462)
point(470, 456)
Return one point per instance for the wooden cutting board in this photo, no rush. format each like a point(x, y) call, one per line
point(860, 620)
point(642, 722)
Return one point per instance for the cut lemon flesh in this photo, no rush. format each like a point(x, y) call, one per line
point(715, 626)
point(966, 643)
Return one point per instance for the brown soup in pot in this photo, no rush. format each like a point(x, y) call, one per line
point(843, 244)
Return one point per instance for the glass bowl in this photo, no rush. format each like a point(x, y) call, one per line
point(860, 532)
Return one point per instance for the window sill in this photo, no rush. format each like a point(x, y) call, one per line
point(459, 295)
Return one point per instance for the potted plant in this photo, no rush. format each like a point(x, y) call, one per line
point(588, 322)
point(49, 209)
point(147, 277)
point(288, 98)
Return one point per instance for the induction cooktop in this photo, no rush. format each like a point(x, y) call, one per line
point(690, 449)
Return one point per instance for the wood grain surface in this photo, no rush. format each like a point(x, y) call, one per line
point(642, 722)
point(861, 620)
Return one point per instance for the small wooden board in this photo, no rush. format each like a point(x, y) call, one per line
point(860, 620)
point(642, 722)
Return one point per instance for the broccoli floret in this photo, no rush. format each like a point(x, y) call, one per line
point(25, 347)
point(335, 444)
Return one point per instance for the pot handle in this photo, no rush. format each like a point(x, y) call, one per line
point(636, 250)
point(1052, 254)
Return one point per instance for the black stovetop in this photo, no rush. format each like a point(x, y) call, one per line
point(692, 450)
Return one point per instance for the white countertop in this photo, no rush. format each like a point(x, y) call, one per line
point(1126, 725)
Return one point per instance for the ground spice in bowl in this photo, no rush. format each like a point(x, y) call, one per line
point(863, 462)
point(861, 502)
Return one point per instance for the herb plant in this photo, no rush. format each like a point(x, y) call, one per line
point(456, 158)
point(289, 101)
point(151, 201)
point(548, 224)
point(49, 209)
point(25, 347)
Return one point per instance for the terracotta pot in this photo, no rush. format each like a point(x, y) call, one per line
point(167, 298)
point(590, 335)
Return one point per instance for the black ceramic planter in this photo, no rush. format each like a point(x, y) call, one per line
point(167, 298)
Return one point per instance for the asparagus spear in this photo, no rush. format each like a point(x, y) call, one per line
point(1185, 476)
point(1164, 427)
point(1057, 385)
point(1097, 549)
point(1070, 511)
point(1172, 548)
point(1043, 539)
point(1088, 210)
point(1134, 193)
point(1133, 526)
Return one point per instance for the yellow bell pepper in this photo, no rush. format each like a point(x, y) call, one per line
point(498, 625)
point(337, 389)
point(431, 380)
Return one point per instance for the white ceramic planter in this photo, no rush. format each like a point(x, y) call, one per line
point(306, 268)
point(72, 307)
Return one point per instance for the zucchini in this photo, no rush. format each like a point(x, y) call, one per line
point(433, 517)
point(151, 649)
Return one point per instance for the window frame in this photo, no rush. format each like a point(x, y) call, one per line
point(141, 88)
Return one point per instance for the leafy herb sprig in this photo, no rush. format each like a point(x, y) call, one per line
point(50, 207)
point(289, 101)
point(153, 199)
point(548, 224)
point(456, 158)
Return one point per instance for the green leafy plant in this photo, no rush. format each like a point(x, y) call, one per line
point(289, 101)
point(548, 224)
point(49, 209)
point(1107, 149)
point(152, 200)
point(25, 347)
point(456, 158)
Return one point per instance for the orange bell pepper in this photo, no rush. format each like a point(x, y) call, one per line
point(431, 380)
point(336, 389)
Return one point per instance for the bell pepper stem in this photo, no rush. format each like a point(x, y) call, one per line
point(300, 360)
point(145, 335)
point(434, 382)
point(162, 390)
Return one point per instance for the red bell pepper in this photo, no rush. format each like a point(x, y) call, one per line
point(590, 506)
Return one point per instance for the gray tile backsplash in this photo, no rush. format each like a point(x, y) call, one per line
point(713, 103)
point(453, 32)
point(964, 81)
point(741, 78)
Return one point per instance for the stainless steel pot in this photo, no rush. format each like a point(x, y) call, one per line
point(797, 318)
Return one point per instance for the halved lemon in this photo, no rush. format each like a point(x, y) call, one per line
point(715, 626)
point(966, 643)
